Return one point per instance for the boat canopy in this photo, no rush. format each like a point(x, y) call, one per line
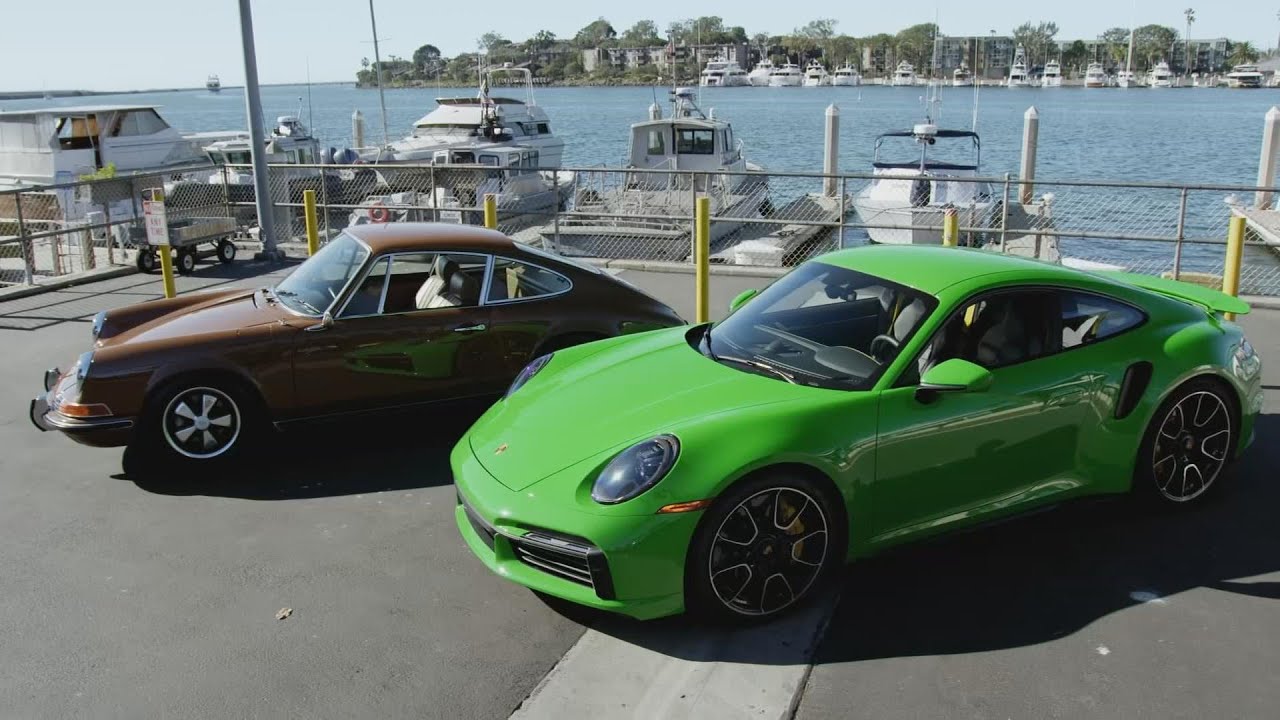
point(938, 133)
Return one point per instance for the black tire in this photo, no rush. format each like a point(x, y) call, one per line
point(186, 261)
point(226, 251)
point(146, 260)
point(234, 421)
point(1187, 450)
point(729, 538)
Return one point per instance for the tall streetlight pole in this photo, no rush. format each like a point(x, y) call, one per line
point(257, 139)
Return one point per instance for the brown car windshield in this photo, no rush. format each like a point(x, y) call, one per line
point(314, 286)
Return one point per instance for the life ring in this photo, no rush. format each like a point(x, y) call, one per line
point(379, 213)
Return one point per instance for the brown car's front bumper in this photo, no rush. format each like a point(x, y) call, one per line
point(97, 432)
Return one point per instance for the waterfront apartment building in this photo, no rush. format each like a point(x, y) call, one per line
point(987, 56)
point(629, 58)
point(1207, 55)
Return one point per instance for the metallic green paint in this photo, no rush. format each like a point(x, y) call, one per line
point(1042, 432)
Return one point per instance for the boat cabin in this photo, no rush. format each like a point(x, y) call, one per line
point(60, 144)
point(688, 140)
point(927, 175)
point(290, 143)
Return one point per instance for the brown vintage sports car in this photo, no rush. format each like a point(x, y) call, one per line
point(383, 317)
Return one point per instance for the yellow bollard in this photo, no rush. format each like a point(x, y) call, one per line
point(166, 270)
point(313, 227)
point(702, 259)
point(1235, 249)
point(491, 211)
point(951, 228)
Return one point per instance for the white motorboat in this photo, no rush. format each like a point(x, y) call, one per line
point(1018, 75)
point(290, 143)
point(816, 75)
point(1095, 76)
point(1052, 76)
point(846, 76)
point(672, 159)
point(213, 84)
point(961, 76)
point(1244, 76)
point(723, 72)
point(1160, 76)
point(904, 75)
point(471, 122)
point(787, 74)
point(759, 75)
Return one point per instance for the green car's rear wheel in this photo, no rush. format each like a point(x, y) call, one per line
point(1189, 443)
point(763, 547)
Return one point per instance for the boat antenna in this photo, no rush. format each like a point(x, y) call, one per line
point(377, 61)
point(977, 83)
point(933, 102)
point(309, 116)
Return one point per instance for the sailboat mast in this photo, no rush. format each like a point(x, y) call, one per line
point(377, 61)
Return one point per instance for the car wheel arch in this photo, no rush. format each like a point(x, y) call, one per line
point(211, 373)
point(795, 467)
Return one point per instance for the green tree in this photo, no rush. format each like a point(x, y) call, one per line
point(845, 49)
point(1077, 55)
point(491, 41)
point(1190, 15)
point(595, 34)
point(1242, 53)
point(643, 34)
point(427, 61)
point(1117, 40)
point(1037, 40)
point(541, 40)
point(463, 68)
point(915, 45)
point(1152, 43)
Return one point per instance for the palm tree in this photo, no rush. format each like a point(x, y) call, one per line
point(1242, 53)
point(1186, 39)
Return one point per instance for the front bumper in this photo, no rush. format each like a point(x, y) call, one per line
point(97, 432)
point(631, 565)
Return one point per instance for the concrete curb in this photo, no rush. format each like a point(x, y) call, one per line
point(66, 281)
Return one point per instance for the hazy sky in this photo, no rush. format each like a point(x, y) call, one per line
point(137, 44)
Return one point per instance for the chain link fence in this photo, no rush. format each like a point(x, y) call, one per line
point(647, 216)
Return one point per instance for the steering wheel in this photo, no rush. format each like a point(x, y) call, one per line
point(881, 340)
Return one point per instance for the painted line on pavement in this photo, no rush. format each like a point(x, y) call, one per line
point(675, 669)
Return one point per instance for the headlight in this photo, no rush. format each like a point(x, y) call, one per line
point(81, 368)
point(98, 321)
point(636, 469)
point(528, 372)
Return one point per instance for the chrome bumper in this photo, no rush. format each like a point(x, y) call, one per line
point(45, 419)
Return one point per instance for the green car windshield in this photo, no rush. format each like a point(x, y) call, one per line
point(314, 286)
point(821, 325)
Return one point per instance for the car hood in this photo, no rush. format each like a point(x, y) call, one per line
point(219, 314)
point(586, 403)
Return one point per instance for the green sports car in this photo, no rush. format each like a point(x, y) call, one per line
point(870, 397)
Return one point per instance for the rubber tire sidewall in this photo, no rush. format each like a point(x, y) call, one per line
point(185, 257)
point(229, 255)
point(1144, 480)
point(146, 260)
point(157, 452)
point(700, 598)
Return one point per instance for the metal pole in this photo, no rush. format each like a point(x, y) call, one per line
point(555, 210)
point(1231, 269)
point(1004, 216)
point(435, 207)
point(491, 211)
point(702, 259)
point(28, 258)
point(1030, 139)
point(324, 201)
point(950, 228)
point(313, 229)
point(257, 140)
point(1267, 163)
point(1177, 246)
point(831, 150)
point(357, 129)
point(377, 73)
point(844, 187)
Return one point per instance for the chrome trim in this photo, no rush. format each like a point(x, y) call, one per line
point(386, 284)
point(513, 301)
point(99, 320)
point(486, 281)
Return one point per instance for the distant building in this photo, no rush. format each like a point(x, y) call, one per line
point(987, 56)
point(1206, 55)
point(629, 58)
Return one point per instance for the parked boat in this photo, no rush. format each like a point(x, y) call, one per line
point(961, 76)
point(846, 76)
point(723, 72)
point(759, 75)
point(624, 214)
point(904, 75)
point(1160, 76)
point(816, 75)
point(1095, 76)
point(1244, 76)
point(787, 74)
point(290, 143)
point(1052, 76)
point(1126, 78)
point(1018, 76)
point(213, 84)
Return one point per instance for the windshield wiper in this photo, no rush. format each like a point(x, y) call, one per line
point(304, 303)
point(759, 366)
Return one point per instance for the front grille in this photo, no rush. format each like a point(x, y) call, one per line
point(567, 558)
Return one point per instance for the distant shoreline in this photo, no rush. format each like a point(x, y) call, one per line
point(38, 94)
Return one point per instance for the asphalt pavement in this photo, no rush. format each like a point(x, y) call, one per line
point(131, 596)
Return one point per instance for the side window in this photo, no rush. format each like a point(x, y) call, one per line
point(656, 144)
point(1089, 318)
point(695, 142)
point(425, 281)
point(367, 298)
point(514, 280)
point(995, 331)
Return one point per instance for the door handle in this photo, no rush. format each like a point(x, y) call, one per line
point(471, 328)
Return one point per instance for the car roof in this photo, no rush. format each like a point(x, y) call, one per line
point(932, 269)
point(398, 237)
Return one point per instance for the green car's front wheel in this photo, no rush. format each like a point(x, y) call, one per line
point(766, 545)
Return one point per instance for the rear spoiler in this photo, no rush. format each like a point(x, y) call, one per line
point(1208, 298)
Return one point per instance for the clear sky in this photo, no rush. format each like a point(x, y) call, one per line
point(138, 44)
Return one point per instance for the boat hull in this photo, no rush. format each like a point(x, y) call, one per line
point(785, 81)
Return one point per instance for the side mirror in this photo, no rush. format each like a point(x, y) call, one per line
point(954, 375)
point(742, 299)
point(326, 322)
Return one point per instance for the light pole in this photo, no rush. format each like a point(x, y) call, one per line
point(257, 140)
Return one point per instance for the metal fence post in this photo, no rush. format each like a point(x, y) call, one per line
point(1177, 243)
point(28, 256)
point(491, 211)
point(950, 228)
point(702, 258)
point(309, 213)
point(693, 205)
point(844, 187)
point(1231, 268)
point(555, 210)
point(435, 206)
point(324, 201)
point(1004, 217)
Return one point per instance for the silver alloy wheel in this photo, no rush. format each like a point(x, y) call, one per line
point(1192, 445)
point(768, 551)
point(201, 423)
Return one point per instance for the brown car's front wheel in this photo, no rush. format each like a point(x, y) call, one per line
point(199, 422)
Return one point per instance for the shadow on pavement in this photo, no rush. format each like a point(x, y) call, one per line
point(1024, 582)
point(344, 458)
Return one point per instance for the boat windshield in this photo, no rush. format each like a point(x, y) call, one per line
point(318, 282)
point(958, 150)
point(822, 326)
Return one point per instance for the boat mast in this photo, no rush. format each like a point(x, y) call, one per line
point(377, 63)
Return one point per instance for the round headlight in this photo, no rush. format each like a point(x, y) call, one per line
point(636, 469)
point(98, 321)
point(528, 372)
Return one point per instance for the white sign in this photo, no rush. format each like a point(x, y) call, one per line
point(157, 224)
point(451, 216)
